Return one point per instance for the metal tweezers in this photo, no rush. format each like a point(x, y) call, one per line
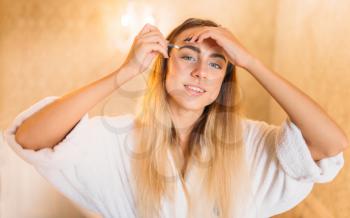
point(170, 45)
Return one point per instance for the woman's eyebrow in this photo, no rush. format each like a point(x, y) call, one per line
point(196, 49)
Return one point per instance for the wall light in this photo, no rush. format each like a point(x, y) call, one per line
point(136, 15)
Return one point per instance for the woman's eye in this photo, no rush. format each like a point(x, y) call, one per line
point(188, 58)
point(217, 66)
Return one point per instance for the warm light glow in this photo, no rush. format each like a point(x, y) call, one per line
point(136, 15)
point(126, 20)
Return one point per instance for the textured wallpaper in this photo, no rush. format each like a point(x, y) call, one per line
point(312, 51)
point(52, 47)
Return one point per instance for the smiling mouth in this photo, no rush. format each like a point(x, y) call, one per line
point(194, 90)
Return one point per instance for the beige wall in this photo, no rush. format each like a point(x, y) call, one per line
point(51, 47)
point(312, 51)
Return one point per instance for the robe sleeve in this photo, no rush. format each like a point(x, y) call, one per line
point(63, 154)
point(80, 165)
point(283, 169)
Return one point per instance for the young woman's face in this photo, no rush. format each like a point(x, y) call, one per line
point(195, 72)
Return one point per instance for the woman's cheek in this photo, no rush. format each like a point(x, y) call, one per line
point(213, 94)
point(183, 67)
point(170, 82)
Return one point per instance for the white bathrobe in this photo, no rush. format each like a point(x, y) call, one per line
point(91, 165)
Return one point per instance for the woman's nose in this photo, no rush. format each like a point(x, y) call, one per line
point(200, 71)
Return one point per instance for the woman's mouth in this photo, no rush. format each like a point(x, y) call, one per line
point(194, 90)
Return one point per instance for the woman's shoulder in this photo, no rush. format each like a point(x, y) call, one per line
point(249, 123)
point(259, 137)
point(113, 130)
point(119, 124)
point(253, 128)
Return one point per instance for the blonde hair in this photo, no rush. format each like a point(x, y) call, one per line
point(215, 144)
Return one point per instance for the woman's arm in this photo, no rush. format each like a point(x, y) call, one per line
point(53, 122)
point(323, 136)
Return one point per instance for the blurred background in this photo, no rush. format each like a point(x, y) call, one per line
point(51, 47)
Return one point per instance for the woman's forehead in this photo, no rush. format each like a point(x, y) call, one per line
point(186, 33)
point(208, 44)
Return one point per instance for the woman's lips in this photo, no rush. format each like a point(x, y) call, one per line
point(194, 91)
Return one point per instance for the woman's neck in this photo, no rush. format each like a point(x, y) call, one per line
point(184, 121)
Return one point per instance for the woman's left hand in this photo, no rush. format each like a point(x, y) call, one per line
point(235, 52)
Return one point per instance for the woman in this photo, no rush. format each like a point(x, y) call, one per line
point(189, 151)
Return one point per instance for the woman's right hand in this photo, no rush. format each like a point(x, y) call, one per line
point(146, 45)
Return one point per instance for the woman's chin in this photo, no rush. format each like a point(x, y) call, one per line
point(185, 103)
point(192, 105)
point(192, 108)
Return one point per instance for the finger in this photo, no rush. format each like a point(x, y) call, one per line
point(197, 34)
point(149, 34)
point(188, 38)
point(155, 37)
point(148, 28)
point(225, 29)
point(144, 29)
point(204, 36)
point(152, 31)
point(164, 41)
point(196, 37)
point(156, 47)
point(193, 37)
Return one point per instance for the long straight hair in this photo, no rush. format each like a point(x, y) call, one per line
point(216, 147)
